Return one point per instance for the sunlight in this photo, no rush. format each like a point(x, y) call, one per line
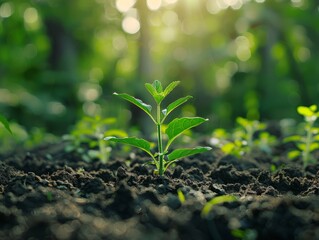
point(131, 25)
point(30, 15)
point(154, 4)
point(124, 5)
point(6, 10)
point(243, 52)
point(215, 6)
point(170, 1)
point(31, 19)
point(170, 18)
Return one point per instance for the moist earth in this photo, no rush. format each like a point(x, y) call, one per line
point(48, 193)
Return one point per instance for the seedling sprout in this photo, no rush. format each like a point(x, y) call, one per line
point(163, 158)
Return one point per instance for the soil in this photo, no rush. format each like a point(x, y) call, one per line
point(47, 193)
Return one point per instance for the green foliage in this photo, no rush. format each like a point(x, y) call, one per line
point(216, 200)
point(42, 47)
point(24, 139)
point(5, 123)
point(89, 133)
point(162, 158)
point(244, 234)
point(250, 127)
point(181, 196)
point(249, 136)
point(310, 141)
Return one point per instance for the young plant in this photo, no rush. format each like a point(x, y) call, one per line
point(5, 123)
point(89, 133)
point(250, 128)
point(216, 200)
point(310, 142)
point(162, 158)
point(244, 139)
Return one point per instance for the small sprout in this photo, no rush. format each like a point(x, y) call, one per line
point(90, 132)
point(181, 196)
point(49, 196)
point(246, 234)
point(216, 200)
point(5, 123)
point(250, 128)
point(163, 158)
point(310, 142)
point(249, 136)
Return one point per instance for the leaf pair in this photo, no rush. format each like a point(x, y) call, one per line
point(156, 90)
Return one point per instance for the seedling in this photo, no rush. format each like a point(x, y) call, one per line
point(310, 142)
point(216, 200)
point(250, 128)
point(244, 139)
point(5, 123)
point(90, 132)
point(181, 196)
point(162, 159)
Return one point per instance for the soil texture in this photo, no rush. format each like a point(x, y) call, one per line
point(47, 193)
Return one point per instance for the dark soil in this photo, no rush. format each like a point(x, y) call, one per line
point(49, 194)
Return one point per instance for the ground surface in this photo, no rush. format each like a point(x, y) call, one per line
point(49, 194)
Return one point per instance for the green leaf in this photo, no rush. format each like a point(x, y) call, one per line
point(301, 146)
point(158, 86)
point(243, 122)
point(108, 121)
point(151, 89)
point(179, 125)
point(133, 141)
point(316, 137)
point(175, 104)
point(293, 154)
point(314, 130)
point(170, 87)
point(158, 96)
point(5, 123)
point(294, 138)
point(185, 152)
point(181, 196)
point(137, 102)
point(305, 111)
point(314, 146)
point(216, 200)
point(313, 108)
point(115, 132)
point(156, 90)
point(227, 148)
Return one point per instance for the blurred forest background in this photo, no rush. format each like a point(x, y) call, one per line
point(61, 60)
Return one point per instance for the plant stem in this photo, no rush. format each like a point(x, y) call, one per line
point(306, 152)
point(160, 142)
point(103, 152)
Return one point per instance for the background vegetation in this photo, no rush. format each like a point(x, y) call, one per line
point(60, 60)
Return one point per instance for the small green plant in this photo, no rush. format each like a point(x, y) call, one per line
point(162, 159)
point(244, 139)
point(89, 133)
point(5, 123)
point(250, 128)
point(310, 141)
point(244, 234)
point(216, 200)
point(181, 196)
